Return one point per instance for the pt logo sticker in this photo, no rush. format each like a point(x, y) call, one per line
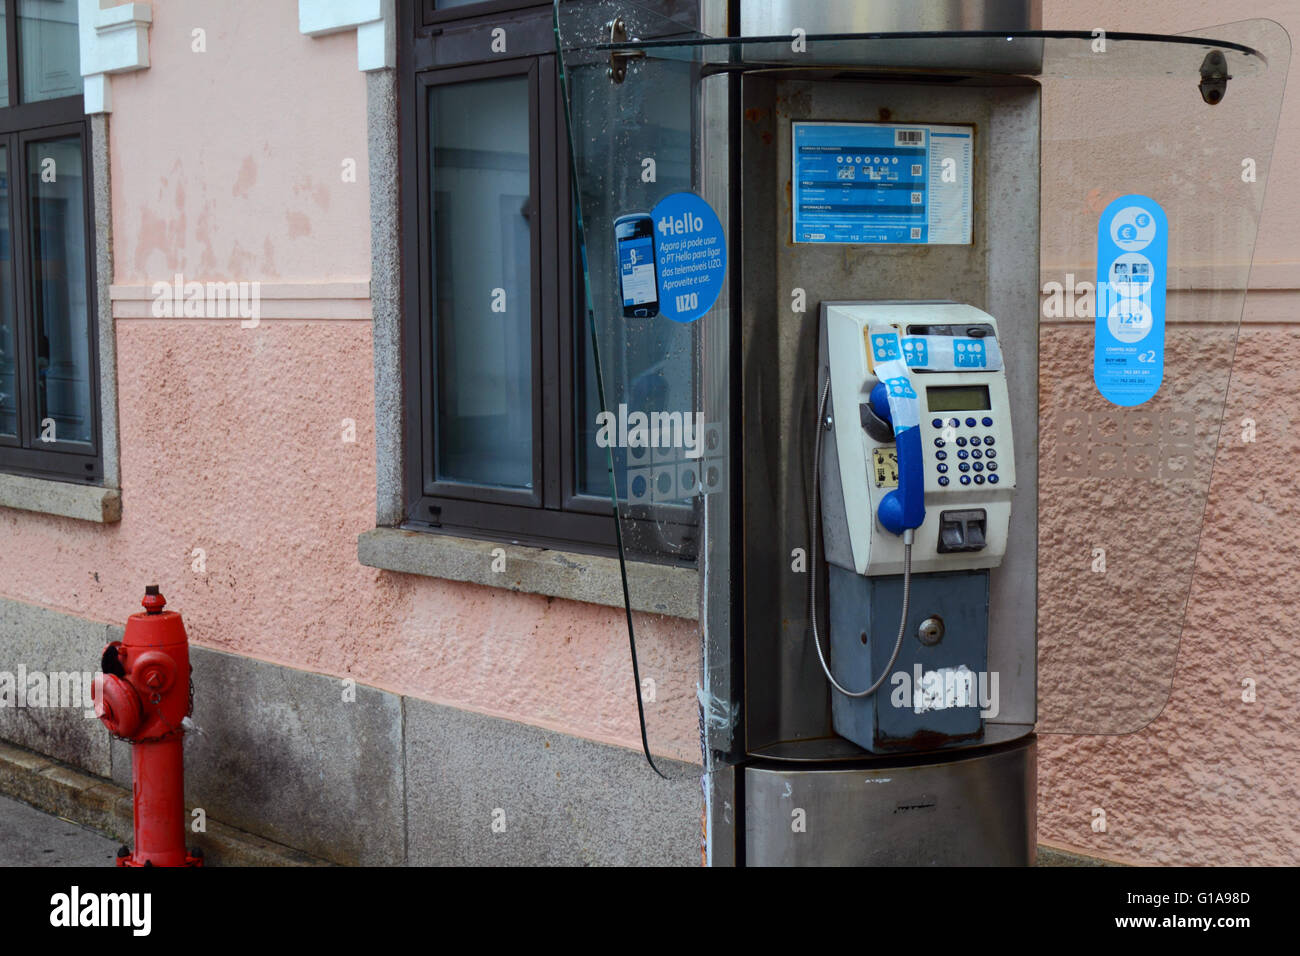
point(690, 255)
point(1128, 362)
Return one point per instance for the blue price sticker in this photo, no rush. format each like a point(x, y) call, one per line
point(884, 347)
point(1132, 268)
point(690, 255)
point(968, 353)
point(900, 387)
point(916, 351)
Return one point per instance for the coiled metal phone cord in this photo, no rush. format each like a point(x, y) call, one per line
point(813, 526)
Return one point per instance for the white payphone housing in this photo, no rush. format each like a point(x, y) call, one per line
point(967, 458)
point(915, 475)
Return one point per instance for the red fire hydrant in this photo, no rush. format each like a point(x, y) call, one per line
point(143, 696)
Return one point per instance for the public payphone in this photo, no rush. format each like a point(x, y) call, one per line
point(915, 471)
point(873, 225)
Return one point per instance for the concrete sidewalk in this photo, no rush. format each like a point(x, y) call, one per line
point(29, 837)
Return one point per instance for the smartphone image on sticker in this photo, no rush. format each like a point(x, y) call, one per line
point(636, 265)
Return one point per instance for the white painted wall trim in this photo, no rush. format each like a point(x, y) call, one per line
point(346, 299)
point(113, 40)
point(374, 20)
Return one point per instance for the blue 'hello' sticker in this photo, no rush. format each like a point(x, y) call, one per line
point(690, 256)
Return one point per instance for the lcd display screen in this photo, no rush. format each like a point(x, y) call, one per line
point(957, 398)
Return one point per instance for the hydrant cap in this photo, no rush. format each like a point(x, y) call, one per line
point(153, 601)
point(116, 704)
point(154, 627)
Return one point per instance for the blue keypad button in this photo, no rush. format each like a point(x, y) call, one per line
point(943, 480)
point(986, 422)
point(961, 442)
point(953, 423)
point(978, 466)
point(964, 466)
point(975, 440)
point(993, 479)
point(976, 453)
point(937, 423)
point(990, 453)
point(963, 453)
point(965, 479)
point(993, 466)
point(941, 455)
point(988, 440)
point(939, 443)
point(979, 479)
point(941, 468)
point(970, 423)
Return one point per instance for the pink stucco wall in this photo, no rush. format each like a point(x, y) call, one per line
point(227, 165)
point(1212, 779)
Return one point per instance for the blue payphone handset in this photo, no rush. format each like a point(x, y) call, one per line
point(914, 475)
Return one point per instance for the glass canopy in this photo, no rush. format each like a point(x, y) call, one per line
point(655, 109)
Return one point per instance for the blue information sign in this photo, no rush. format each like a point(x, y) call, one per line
point(882, 183)
point(1132, 268)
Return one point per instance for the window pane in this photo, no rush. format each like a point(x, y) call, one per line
point(49, 49)
point(4, 59)
point(8, 343)
point(482, 255)
point(662, 351)
point(57, 238)
point(593, 463)
point(645, 362)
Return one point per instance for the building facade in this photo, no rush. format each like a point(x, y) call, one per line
point(294, 331)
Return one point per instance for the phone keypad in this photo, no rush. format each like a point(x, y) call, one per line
point(974, 447)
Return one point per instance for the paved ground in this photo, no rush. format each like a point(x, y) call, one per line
point(29, 837)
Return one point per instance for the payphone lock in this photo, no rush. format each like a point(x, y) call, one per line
point(962, 530)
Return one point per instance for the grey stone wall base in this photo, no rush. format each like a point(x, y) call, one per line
point(35, 639)
point(484, 791)
point(102, 805)
point(301, 758)
point(654, 588)
point(350, 773)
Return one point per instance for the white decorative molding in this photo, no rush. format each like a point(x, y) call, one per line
point(113, 40)
point(312, 300)
point(374, 21)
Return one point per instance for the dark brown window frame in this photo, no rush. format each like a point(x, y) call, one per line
point(20, 125)
point(431, 14)
point(554, 513)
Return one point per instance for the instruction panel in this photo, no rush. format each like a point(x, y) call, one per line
point(882, 183)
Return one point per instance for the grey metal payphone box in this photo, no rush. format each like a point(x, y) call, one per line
point(984, 600)
point(819, 231)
